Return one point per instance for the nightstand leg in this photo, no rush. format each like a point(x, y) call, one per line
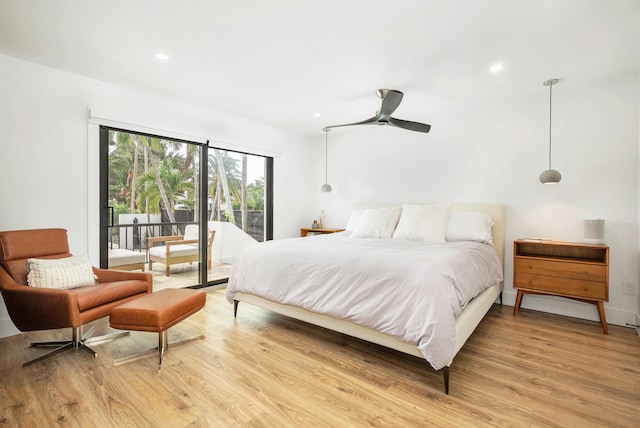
point(603, 318)
point(518, 301)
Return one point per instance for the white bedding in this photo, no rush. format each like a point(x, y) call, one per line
point(411, 290)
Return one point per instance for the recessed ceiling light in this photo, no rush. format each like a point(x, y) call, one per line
point(162, 56)
point(496, 68)
point(316, 114)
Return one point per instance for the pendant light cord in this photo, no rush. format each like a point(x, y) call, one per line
point(550, 86)
point(326, 133)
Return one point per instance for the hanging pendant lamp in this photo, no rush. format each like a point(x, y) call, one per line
point(550, 176)
point(326, 187)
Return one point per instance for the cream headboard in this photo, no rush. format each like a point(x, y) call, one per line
point(496, 211)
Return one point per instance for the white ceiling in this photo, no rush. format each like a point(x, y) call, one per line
point(281, 61)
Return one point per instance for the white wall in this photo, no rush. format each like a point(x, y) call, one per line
point(49, 157)
point(494, 153)
point(491, 153)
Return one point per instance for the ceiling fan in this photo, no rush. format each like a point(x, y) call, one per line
point(390, 102)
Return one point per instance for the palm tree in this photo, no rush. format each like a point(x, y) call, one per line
point(222, 178)
point(151, 143)
point(177, 188)
point(243, 206)
point(122, 169)
point(223, 173)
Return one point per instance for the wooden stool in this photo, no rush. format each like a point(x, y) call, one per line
point(157, 312)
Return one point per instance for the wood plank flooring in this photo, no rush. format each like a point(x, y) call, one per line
point(265, 370)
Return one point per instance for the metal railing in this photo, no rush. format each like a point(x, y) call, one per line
point(133, 236)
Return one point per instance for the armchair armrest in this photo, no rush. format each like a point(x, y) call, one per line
point(182, 241)
point(169, 244)
point(33, 308)
point(105, 275)
point(154, 239)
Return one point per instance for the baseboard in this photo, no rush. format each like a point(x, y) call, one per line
point(570, 308)
point(638, 324)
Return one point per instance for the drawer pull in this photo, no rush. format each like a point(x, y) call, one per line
point(586, 288)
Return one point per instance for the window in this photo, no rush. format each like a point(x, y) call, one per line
point(160, 214)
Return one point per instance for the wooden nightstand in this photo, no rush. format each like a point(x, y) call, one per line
point(566, 269)
point(305, 230)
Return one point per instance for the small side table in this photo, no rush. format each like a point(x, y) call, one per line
point(567, 269)
point(305, 230)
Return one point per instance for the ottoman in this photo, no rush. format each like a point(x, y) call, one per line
point(157, 312)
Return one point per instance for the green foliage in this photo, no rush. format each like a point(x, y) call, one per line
point(178, 186)
point(119, 208)
point(255, 195)
point(134, 186)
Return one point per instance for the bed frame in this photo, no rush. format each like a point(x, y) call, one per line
point(466, 321)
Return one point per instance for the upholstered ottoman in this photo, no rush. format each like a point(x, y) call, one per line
point(157, 312)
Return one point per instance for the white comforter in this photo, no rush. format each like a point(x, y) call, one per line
point(411, 290)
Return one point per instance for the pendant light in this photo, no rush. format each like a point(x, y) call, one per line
point(326, 187)
point(550, 176)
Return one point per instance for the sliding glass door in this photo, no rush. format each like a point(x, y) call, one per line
point(161, 214)
point(151, 207)
point(238, 201)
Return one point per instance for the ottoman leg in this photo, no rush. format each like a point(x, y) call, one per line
point(179, 342)
point(163, 345)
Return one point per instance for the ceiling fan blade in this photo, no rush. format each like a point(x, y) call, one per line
point(390, 101)
point(411, 126)
point(364, 122)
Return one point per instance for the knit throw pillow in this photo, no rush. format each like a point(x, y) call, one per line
point(69, 272)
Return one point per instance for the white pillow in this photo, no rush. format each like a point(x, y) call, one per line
point(354, 217)
point(68, 272)
point(423, 222)
point(469, 226)
point(377, 223)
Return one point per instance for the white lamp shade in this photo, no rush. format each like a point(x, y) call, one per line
point(593, 231)
point(550, 176)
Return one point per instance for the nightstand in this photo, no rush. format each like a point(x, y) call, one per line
point(305, 230)
point(566, 269)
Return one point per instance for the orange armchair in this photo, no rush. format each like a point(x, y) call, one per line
point(32, 308)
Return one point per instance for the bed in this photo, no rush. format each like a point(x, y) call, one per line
point(373, 289)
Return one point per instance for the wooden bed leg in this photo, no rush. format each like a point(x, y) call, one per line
point(501, 298)
point(235, 308)
point(445, 372)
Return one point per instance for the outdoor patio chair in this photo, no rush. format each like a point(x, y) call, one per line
point(178, 248)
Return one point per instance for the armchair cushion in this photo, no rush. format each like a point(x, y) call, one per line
point(175, 250)
point(68, 272)
point(93, 296)
point(191, 232)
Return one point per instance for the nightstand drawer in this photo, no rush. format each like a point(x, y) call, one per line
point(562, 286)
point(580, 271)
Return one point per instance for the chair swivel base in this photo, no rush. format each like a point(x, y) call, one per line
point(78, 340)
point(163, 346)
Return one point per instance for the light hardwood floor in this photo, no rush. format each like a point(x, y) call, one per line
point(265, 370)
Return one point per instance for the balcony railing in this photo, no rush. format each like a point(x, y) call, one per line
point(134, 236)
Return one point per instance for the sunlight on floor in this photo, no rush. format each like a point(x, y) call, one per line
point(186, 275)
